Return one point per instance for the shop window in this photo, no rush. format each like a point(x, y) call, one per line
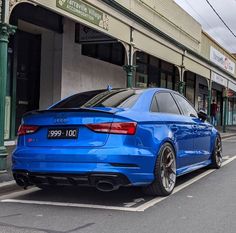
point(154, 62)
point(177, 79)
point(169, 81)
point(142, 69)
point(154, 72)
point(109, 52)
point(167, 66)
point(190, 86)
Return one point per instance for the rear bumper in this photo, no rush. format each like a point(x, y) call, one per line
point(89, 179)
point(135, 166)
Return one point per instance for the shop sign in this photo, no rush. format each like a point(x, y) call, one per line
point(230, 93)
point(85, 12)
point(232, 86)
point(219, 79)
point(222, 61)
point(85, 35)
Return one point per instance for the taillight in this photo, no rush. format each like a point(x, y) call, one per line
point(128, 128)
point(27, 129)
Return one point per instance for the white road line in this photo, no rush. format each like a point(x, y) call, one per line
point(18, 193)
point(64, 204)
point(4, 184)
point(180, 187)
point(140, 208)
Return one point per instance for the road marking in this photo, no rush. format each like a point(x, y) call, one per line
point(5, 184)
point(140, 208)
point(180, 187)
point(63, 204)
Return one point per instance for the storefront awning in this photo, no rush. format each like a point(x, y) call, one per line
point(156, 49)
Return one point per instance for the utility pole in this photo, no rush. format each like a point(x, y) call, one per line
point(5, 31)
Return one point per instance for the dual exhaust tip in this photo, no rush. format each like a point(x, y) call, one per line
point(104, 185)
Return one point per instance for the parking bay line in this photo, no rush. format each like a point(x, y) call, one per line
point(182, 186)
point(140, 208)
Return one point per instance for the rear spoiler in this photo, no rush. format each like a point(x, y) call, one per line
point(108, 111)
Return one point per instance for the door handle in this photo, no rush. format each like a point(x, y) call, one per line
point(174, 128)
point(195, 128)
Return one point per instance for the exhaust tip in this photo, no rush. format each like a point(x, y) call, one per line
point(106, 186)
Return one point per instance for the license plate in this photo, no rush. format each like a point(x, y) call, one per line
point(62, 133)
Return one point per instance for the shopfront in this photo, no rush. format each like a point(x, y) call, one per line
point(154, 72)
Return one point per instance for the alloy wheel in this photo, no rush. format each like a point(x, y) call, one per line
point(168, 169)
point(218, 152)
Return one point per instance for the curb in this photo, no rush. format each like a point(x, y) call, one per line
point(228, 136)
point(9, 186)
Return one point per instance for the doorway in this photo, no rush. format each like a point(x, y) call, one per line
point(28, 55)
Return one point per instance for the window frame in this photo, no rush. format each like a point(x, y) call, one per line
point(154, 98)
point(181, 109)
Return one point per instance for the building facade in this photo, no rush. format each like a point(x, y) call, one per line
point(62, 47)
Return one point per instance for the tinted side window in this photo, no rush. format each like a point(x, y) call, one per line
point(186, 107)
point(166, 103)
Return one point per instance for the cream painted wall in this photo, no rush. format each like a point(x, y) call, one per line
point(51, 63)
point(168, 17)
point(82, 73)
point(208, 42)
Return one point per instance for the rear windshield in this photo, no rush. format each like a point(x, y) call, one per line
point(101, 98)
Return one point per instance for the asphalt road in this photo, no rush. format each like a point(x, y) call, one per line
point(203, 202)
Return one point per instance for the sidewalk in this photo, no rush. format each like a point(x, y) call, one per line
point(230, 131)
point(7, 176)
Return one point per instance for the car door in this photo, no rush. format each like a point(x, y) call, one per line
point(180, 127)
point(201, 131)
point(202, 142)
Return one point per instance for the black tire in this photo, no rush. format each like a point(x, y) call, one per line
point(217, 157)
point(165, 173)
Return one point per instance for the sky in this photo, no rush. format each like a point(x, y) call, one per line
point(202, 12)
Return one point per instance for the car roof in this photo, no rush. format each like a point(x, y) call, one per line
point(149, 89)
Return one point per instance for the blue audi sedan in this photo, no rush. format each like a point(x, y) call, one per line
point(113, 138)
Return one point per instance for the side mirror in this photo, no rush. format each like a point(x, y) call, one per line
point(202, 115)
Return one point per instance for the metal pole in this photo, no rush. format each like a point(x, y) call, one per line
point(130, 68)
point(129, 71)
point(181, 85)
point(5, 31)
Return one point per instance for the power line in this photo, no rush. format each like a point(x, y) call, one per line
point(204, 20)
point(198, 14)
point(220, 18)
